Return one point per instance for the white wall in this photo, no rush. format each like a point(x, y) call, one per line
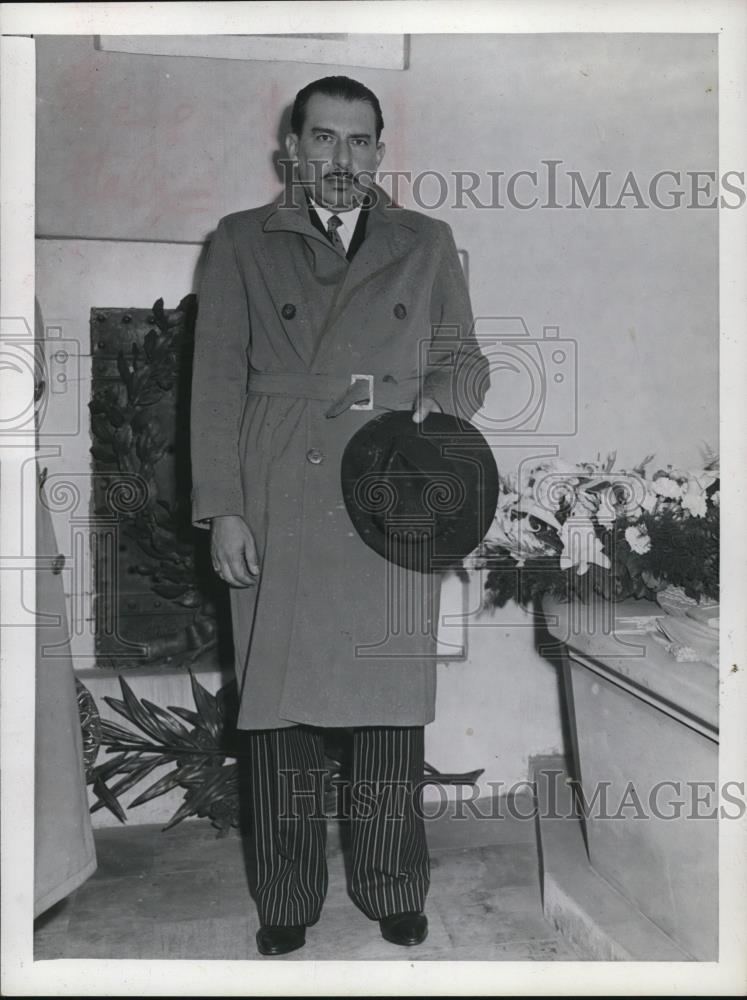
point(145, 149)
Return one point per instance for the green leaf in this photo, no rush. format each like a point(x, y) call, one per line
point(197, 800)
point(191, 771)
point(140, 421)
point(190, 600)
point(138, 773)
point(171, 591)
point(173, 725)
point(121, 708)
point(101, 428)
point(108, 768)
point(609, 464)
point(98, 404)
point(207, 707)
point(185, 713)
point(124, 370)
point(149, 343)
point(115, 416)
point(111, 730)
point(123, 439)
point(148, 549)
point(139, 715)
point(149, 396)
point(109, 800)
point(640, 468)
point(160, 787)
point(103, 454)
point(173, 574)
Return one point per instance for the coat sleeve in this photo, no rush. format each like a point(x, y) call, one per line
point(219, 375)
point(456, 373)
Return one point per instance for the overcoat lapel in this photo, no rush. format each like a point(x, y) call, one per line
point(388, 238)
point(303, 269)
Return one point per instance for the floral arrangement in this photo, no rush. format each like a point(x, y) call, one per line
point(575, 530)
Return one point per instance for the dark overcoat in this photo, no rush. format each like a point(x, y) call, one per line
point(332, 634)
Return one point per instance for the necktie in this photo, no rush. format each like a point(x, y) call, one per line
point(333, 224)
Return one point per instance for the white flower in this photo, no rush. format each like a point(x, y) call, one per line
point(586, 503)
point(703, 477)
point(509, 482)
point(649, 498)
point(507, 500)
point(694, 501)
point(513, 534)
point(694, 494)
point(667, 487)
point(581, 547)
point(638, 538)
point(716, 498)
point(632, 495)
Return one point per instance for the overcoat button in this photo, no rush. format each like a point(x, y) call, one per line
point(58, 563)
point(314, 456)
point(288, 311)
point(400, 310)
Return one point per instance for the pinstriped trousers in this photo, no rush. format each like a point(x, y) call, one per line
point(390, 863)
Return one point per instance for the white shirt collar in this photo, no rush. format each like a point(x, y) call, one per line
point(349, 220)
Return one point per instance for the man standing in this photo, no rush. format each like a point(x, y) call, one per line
point(315, 312)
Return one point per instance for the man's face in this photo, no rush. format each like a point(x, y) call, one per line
point(337, 153)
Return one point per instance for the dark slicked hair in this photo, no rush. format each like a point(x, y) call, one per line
point(334, 86)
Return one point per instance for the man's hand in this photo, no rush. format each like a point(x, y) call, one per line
point(423, 406)
point(233, 550)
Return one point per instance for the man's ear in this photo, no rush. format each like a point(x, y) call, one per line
point(291, 145)
point(380, 150)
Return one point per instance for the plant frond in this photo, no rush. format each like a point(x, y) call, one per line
point(107, 799)
point(164, 784)
point(199, 799)
point(171, 725)
point(137, 774)
point(206, 707)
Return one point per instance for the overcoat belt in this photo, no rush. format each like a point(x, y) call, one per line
point(295, 349)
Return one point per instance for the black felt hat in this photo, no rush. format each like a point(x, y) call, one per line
point(421, 495)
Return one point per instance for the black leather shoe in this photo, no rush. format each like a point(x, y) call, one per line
point(280, 940)
point(404, 928)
